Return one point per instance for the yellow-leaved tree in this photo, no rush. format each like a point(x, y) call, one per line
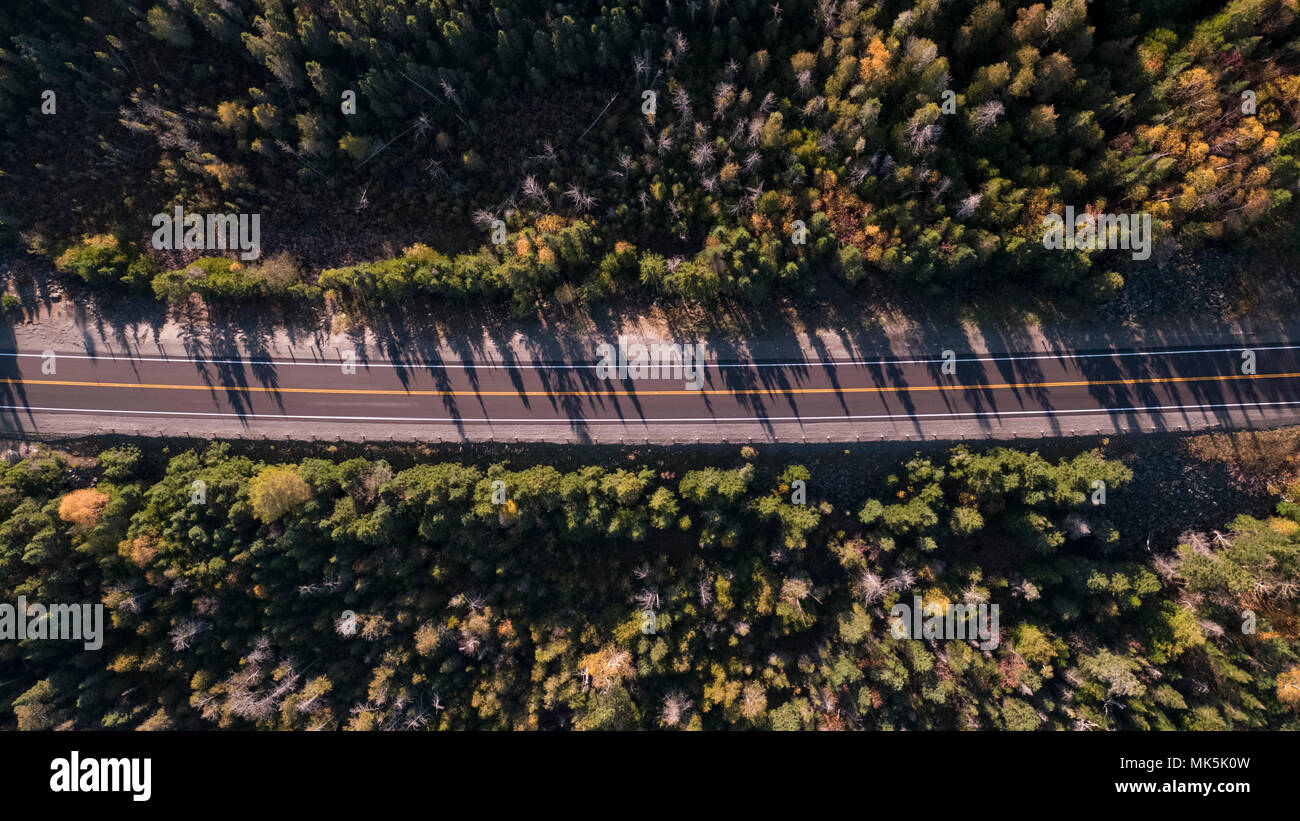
point(1288, 688)
point(277, 490)
point(82, 507)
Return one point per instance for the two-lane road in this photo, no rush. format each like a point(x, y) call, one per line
point(844, 400)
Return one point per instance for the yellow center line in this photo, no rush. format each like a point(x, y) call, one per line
point(1152, 380)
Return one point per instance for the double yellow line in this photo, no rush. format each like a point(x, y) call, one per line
point(1154, 380)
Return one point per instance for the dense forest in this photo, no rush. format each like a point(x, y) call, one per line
point(346, 594)
point(674, 149)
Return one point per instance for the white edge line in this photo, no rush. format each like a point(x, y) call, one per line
point(664, 420)
point(415, 366)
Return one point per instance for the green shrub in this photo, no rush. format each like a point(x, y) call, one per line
point(215, 278)
point(102, 261)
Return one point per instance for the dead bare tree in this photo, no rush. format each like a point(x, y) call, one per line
point(921, 139)
point(183, 633)
point(987, 115)
point(682, 103)
point(969, 204)
point(261, 650)
point(706, 589)
point(648, 599)
point(702, 155)
point(675, 708)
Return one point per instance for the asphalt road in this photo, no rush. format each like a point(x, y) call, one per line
point(1050, 393)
